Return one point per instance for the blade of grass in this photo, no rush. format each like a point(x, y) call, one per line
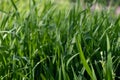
point(93, 72)
point(82, 57)
point(15, 7)
point(98, 70)
point(2, 11)
point(74, 74)
point(71, 59)
point(109, 75)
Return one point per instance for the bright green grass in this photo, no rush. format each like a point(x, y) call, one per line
point(45, 40)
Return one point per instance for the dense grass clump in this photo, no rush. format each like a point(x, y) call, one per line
point(45, 40)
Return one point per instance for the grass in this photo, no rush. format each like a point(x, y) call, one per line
point(45, 40)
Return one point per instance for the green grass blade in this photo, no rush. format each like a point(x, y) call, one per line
point(15, 7)
point(109, 70)
point(70, 59)
point(108, 43)
point(2, 11)
point(82, 57)
point(74, 74)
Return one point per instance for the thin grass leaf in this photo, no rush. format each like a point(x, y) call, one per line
point(2, 11)
point(4, 21)
point(63, 71)
point(109, 70)
point(98, 70)
point(75, 76)
point(108, 43)
point(70, 59)
point(59, 75)
point(82, 57)
point(104, 33)
point(93, 72)
point(15, 7)
point(43, 77)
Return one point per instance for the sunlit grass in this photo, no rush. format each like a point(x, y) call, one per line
point(41, 40)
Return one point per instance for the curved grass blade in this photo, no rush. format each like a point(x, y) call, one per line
point(82, 57)
point(71, 59)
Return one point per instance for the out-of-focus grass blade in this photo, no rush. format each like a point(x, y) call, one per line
point(81, 75)
point(14, 5)
point(82, 57)
point(16, 9)
point(74, 74)
point(33, 2)
point(71, 59)
point(98, 70)
point(43, 77)
point(2, 11)
point(117, 60)
point(93, 72)
point(105, 32)
point(117, 21)
point(38, 63)
point(109, 61)
point(109, 68)
point(4, 21)
point(65, 75)
point(108, 43)
point(64, 72)
point(59, 77)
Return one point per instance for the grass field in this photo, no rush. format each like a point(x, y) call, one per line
point(51, 40)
